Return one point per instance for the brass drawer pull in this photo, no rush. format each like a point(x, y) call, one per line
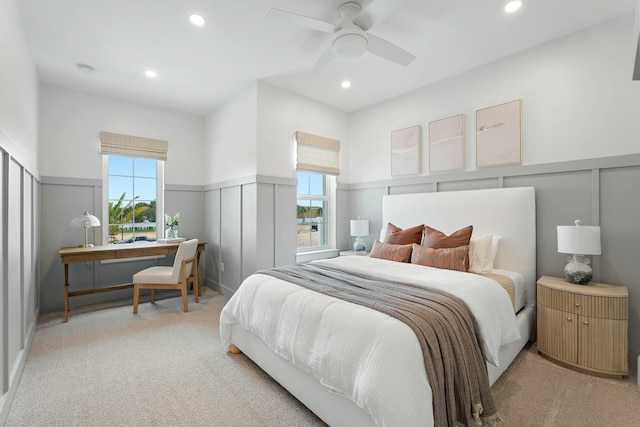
point(586, 322)
point(577, 304)
point(569, 319)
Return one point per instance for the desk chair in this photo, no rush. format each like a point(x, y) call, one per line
point(184, 270)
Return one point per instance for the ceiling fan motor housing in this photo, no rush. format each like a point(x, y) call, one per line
point(350, 41)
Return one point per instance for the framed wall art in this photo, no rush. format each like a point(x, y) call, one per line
point(405, 151)
point(499, 134)
point(446, 144)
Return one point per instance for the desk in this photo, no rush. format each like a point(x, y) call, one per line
point(111, 252)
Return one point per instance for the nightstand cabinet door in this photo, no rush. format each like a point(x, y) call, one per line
point(599, 344)
point(557, 334)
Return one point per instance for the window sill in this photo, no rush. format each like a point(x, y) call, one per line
point(315, 255)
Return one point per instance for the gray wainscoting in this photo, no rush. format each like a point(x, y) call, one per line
point(19, 254)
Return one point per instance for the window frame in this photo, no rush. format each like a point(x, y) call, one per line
point(329, 212)
point(105, 197)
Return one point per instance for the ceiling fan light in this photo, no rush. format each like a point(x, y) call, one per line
point(350, 45)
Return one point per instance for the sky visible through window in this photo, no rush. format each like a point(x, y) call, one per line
point(311, 184)
point(128, 175)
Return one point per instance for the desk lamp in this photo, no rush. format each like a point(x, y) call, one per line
point(86, 220)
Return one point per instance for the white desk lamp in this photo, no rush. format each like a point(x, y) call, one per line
point(86, 220)
point(359, 228)
point(578, 240)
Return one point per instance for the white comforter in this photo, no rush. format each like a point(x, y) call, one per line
point(368, 357)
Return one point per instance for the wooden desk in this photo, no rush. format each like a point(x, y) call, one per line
point(111, 252)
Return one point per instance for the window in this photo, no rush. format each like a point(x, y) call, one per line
point(132, 198)
point(312, 211)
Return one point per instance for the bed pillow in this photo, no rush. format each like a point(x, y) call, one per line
point(437, 239)
point(447, 258)
point(397, 236)
point(482, 253)
point(391, 252)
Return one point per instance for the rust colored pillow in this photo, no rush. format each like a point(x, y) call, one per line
point(398, 236)
point(448, 258)
point(437, 239)
point(388, 251)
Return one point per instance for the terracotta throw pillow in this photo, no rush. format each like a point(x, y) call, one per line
point(398, 236)
point(447, 258)
point(437, 239)
point(384, 250)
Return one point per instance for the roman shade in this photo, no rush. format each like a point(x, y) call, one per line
point(133, 146)
point(317, 153)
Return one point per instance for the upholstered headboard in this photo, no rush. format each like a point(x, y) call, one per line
point(507, 212)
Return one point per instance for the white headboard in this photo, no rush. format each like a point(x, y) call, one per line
point(507, 212)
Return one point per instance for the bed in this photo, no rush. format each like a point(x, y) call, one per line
point(371, 375)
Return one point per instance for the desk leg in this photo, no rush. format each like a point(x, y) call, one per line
point(66, 293)
point(199, 284)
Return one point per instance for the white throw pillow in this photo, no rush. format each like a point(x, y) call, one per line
point(482, 253)
point(479, 247)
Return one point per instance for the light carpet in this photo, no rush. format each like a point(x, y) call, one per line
point(163, 367)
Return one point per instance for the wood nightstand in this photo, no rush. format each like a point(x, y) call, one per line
point(584, 327)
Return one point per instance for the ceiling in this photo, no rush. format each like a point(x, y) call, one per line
point(200, 68)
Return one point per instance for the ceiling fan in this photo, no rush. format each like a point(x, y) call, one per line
point(351, 37)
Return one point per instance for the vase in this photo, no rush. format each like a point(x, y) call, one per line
point(168, 233)
point(174, 232)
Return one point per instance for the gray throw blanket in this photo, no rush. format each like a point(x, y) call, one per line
point(445, 327)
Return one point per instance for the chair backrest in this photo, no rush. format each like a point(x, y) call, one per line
point(186, 249)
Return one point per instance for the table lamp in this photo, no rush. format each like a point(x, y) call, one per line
point(578, 240)
point(86, 220)
point(359, 228)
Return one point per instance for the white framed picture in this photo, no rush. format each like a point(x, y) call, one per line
point(499, 134)
point(405, 151)
point(447, 144)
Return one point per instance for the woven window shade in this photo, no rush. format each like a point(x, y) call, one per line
point(317, 154)
point(133, 146)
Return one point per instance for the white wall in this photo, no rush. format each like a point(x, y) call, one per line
point(71, 122)
point(18, 90)
point(280, 114)
point(579, 102)
point(230, 139)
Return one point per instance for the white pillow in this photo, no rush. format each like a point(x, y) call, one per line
point(482, 252)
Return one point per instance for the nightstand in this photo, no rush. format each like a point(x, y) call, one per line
point(352, 253)
point(584, 327)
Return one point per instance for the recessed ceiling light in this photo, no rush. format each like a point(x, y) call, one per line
point(345, 84)
point(197, 20)
point(513, 5)
point(84, 68)
point(150, 73)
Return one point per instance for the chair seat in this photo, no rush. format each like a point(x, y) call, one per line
point(158, 274)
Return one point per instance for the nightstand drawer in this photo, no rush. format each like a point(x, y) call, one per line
point(587, 305)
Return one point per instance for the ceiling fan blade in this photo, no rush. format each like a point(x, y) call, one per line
point(301, 20)
point(327, 57)
point(377, 11)
point(388, 50)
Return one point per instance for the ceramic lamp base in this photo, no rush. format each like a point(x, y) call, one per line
point(359, 247)
point(578, 271)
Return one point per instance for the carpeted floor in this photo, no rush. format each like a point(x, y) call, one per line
point(107, 367)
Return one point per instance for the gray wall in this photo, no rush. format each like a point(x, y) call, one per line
point(602, 191)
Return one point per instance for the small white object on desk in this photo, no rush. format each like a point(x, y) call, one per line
point(173, 240)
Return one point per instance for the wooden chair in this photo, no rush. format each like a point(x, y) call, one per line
point(183, 271)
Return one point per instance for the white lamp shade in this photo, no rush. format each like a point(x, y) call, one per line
point(359, 227)
point(579, 239)
point(86, 220)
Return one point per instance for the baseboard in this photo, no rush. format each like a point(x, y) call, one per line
point(14, 378)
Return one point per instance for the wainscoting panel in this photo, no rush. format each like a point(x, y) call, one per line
point(15, 284)
point(212, 235)
point(231, 238)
